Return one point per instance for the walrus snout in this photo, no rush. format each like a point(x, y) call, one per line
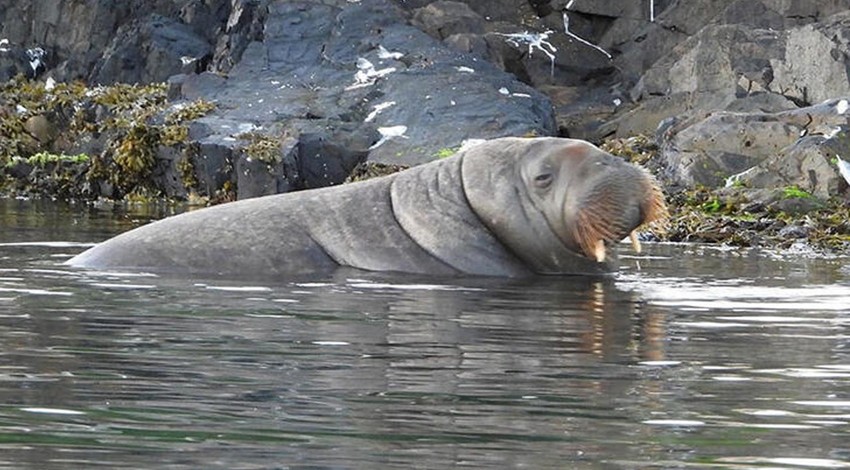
point(618, 199)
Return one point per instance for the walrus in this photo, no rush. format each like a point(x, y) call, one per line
point(507, 207)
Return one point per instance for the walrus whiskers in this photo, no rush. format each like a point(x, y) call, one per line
point(600, 219)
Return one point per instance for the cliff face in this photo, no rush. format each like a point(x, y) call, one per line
point(303, 91)
point(306, 90)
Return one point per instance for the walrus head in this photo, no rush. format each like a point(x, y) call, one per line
point(567, 201)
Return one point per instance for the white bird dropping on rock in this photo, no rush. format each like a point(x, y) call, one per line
point(388, 133)
point(364, 64)
point(842, 106)
point(579, 38)
point(36, 55)
point(843, 168)
point(377, 109)
point(383, 53)
point(539, 41)
point(366, 74)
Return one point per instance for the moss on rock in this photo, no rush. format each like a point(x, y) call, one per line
point(124, 125)
point(262, 147)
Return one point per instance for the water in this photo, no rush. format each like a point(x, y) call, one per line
point(690, 357)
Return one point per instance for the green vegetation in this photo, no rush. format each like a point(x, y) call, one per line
point(188, 112)
point(262, 147)
point(119, 128)
point(446, 152)
point(791, 192)
point(42, 159)
point(368, 170)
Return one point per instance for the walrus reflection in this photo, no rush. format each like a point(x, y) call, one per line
point(567, 320)
point(637, 334)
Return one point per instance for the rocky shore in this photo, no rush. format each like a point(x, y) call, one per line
point(739, 107)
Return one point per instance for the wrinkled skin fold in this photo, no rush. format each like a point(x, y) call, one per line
point(507, 207)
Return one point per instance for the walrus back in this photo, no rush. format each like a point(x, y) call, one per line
point(309, 231)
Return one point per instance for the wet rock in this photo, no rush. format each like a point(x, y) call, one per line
point(808, 164)
point(262, 178)
point(327, 159)
point(815, 65)
point(15, 60)
point(320, 68)
point(151, 49)
point(442, 19)
point(760, 150)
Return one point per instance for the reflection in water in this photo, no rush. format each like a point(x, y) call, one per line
point(701, 357)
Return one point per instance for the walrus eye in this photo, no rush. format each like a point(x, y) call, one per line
point(543, 180)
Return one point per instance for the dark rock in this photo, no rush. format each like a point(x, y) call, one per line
point(808, 164)
point(258, 178)
point(730, 81)
point(304, 76)
point(151, 49)
point(75, 33)
point(794, 231)
point(491, 10)
point(19, 170)
point(16, 60)
point(213, 165)
point(326, 159)
point(166, 174)
point(760, 150)
point(442, 19)
point(243, 26)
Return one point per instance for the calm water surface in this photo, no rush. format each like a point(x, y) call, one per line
point(690, 357)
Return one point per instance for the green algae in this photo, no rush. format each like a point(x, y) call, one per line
point(261, 147)
point(121, 128)
point(446, 152)
point(43, 159)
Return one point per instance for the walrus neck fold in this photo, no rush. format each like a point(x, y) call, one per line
point(430, 205)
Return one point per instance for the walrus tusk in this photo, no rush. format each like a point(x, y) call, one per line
point(599, 251)
point(635, 242)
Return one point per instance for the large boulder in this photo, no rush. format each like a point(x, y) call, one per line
point(349, 72)
point(151, 50)
point(758, 150)
point(795, 52)
point(74, 34)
